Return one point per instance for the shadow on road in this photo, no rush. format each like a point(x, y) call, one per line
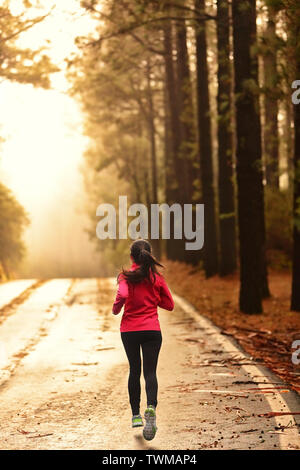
point(142, 443)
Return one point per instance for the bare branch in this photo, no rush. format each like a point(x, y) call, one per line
point(135, 26)
point(26, 27)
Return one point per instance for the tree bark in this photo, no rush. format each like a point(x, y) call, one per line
point(168, 174)
point(153, 153)
point(295, 27)
point(175, 248)
point(185, 110)
point(205, 148)
point(295, 299)
point(271, 139)
point(249, 158)
point(227, 218)
point(187, 152)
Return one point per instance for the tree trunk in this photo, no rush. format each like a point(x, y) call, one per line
point(168, 168)
point(225, 145)
point(205, 148)
point(185, 110)
point(271, 140)
point(295, 298)
point(153, 153)
point(288, 138)
point(288, 130)
point(175, 249)
point(187, 152)
point(249, 158)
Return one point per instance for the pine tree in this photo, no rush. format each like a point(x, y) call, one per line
point(249, 157)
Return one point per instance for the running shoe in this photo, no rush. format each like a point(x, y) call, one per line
point(150, 428)
point(137, 421)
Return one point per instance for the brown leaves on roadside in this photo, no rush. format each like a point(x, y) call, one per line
point(266, 337)
point(22, 431)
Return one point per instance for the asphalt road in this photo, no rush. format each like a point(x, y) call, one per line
point(63, 377)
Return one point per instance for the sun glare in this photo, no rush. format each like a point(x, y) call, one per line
point(42, 145)
point(42, 129)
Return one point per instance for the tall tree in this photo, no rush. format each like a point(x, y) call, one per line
point(205, 146)
point(295, 300)
point(225, 144)
point(177, 166)
point(249, 157)
point(185, 109)
point(270, 135)
point(153, 147)
point(187, 151)
point(294, 48)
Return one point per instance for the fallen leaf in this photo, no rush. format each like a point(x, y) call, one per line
point(278, 413)
point(84, 363)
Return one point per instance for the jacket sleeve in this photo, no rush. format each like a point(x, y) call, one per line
point(166, 299)
point(122, 294)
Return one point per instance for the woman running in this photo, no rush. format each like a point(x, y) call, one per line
point(142, 289)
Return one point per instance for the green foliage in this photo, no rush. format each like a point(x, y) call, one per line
point(229, 215)
point(244, 6)
point(251, 87)
point(17, 64)
point(279, 227)
point(276, 5)
point(13, 221)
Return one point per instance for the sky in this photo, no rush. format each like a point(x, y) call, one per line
point(43, 149)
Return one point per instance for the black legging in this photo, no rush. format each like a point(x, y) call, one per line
point(150, 341)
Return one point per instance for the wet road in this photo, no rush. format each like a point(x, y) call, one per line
point(63, 378)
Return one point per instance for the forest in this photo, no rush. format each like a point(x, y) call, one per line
point(188, 103)
point(191, 102)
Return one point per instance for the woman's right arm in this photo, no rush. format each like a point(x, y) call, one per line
point(166, 299)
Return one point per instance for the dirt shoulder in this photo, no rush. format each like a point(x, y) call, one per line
point(267, 337)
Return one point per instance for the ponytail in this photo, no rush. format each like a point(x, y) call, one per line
point(141, 254)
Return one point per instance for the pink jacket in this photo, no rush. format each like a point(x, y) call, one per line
point(141, 301)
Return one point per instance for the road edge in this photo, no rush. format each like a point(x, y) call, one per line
point(229, 344)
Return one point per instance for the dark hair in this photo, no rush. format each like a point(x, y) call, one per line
point(140, 251)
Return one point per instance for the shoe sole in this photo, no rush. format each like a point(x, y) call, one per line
point(150, 428)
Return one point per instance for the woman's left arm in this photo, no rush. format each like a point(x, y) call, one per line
point(121, 296)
